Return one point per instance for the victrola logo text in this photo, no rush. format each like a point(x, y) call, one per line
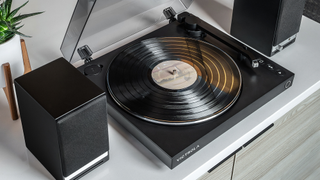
point(188, 153)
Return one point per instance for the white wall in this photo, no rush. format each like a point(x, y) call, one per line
point(47, 29)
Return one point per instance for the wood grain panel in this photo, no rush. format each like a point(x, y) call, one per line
point(289, 150)
point(26, 61)
point(8, 90)
point(222, 172)
point(314, 175)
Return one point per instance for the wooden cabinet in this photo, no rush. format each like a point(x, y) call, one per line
point(222, 172)
point(289, 150)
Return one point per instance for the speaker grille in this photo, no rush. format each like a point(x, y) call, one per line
point(312, 10)
point(289, 19)
point(83, 135)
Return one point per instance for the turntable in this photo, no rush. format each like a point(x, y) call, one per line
point(179, 87)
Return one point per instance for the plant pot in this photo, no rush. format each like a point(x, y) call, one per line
point(10, 52)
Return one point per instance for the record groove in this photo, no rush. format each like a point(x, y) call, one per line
point(174, 80)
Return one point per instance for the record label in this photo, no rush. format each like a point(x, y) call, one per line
point(174, 74)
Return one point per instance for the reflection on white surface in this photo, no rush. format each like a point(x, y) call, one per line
point(15, 159)
point(12, 149)
point(83, 168)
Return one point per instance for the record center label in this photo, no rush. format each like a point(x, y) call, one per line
point(174, 74)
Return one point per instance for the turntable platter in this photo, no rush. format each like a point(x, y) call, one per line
point(174, 81)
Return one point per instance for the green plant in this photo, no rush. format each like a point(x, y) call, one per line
point(9, 23)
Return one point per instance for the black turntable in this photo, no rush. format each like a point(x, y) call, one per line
point(181, 86)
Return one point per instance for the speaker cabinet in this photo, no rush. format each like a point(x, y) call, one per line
point(64, 119)
point(268, 26)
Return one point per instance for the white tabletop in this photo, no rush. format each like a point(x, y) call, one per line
point(129, 159)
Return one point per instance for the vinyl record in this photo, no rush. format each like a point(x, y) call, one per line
point(174, 80)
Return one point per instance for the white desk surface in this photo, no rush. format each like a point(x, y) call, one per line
point(129, 159)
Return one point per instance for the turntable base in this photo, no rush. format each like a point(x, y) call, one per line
point(129, 158)
point(138, 161)
point(175, 144)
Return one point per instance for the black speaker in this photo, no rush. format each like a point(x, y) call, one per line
point(267, 26)
point(64, 119)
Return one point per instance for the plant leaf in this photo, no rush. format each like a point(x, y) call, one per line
point(7, 24)
point(15, 24)
point(1, 11)
point(10, 22)
point(6, 37)
point(19, 33)
point(3, 24)
point(4, 9)
point(3, 27)
point(20, 17)
point(17, 28)
point(14, 12)
point(7, 7)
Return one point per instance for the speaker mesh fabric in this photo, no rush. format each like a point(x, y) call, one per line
point(312, 10)
point(289, 19)
point(83, 135)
